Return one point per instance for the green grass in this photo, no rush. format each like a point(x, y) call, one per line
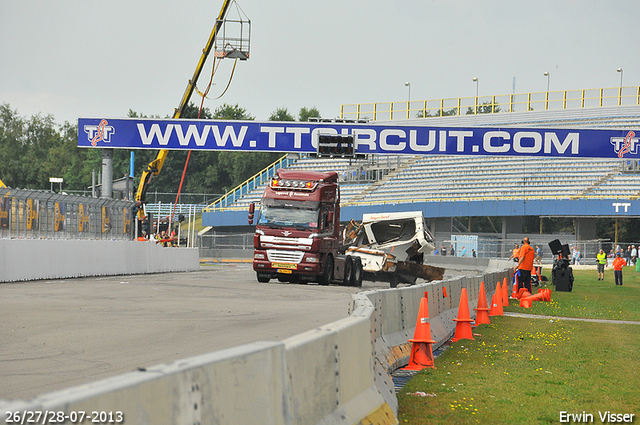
point(591, 298)
point(527, 371)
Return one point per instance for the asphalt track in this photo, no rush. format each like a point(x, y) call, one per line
point(58, 333)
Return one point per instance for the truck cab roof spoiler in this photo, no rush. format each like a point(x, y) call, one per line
point(326, 177)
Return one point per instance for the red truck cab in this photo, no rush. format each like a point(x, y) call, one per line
point(298, 227)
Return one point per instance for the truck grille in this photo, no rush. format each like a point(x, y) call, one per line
point(280, 256)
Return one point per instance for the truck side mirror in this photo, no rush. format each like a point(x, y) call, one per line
point(330, 217)
point(252, 209)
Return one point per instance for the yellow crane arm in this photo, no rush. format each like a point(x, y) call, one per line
point(155, 166)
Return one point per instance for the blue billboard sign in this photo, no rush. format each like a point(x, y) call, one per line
point(370, 138)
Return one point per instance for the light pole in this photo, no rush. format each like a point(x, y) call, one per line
point(548, 75)
point(620, 90)
point(408, 84)
point(546, 102)
point(621, 72)
point(476, 81)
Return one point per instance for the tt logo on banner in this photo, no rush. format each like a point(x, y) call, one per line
point(100, 132)
point(627, 144)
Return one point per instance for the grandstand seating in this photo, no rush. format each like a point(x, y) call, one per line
point(384, 179)
point(479, 177)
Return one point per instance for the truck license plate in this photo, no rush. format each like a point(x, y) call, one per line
point(285, 271)
point(291, 266)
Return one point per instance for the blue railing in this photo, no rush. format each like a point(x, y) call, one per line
point(253, 182)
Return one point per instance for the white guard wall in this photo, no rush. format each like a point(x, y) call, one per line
point(31, 259)
point(334, 374)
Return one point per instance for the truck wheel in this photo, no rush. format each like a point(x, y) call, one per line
point(327, 276)
point(348, 271)
point(263, 278)
point(356, 276)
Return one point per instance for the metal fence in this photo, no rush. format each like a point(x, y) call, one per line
point(496, 247)
point(519, 102)
point(167, 209)
point(32, 214)
point(227, 241)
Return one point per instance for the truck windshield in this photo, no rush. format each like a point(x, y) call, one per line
point(281, 216)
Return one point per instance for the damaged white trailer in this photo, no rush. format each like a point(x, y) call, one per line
point(392, 247)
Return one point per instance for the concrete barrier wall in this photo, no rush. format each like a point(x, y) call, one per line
point(334, 374)
point(32, 259)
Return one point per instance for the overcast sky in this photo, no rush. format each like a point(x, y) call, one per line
point(87, 58)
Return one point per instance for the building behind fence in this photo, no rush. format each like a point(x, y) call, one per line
point(33, 214)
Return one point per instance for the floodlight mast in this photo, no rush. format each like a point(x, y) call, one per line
point(155, 166)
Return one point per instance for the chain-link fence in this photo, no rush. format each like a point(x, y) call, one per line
point(495, 247)
point(33, 214)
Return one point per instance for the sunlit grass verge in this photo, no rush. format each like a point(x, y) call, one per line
point(528, 371)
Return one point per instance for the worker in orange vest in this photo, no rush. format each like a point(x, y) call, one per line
point(515, 254)
point(525, 265)
point(618, 263)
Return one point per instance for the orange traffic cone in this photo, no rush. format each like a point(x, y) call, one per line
point(496, 303)
point(525, 302)
point(547, 294)
point(522, 291)
point(505, 293)
point(538, 269)
point(542, 295)
point(514, 292)
point(463, 322)
point(482, 311)
point(537, 297)
point(524, 298)
point(421, 351)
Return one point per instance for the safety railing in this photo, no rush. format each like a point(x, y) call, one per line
point(520, 102)
point(486, 198)
point(32, 214)
point(395, 201)
point(248, 185)
point(167, 209)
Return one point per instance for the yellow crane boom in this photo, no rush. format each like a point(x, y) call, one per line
point(155, 166)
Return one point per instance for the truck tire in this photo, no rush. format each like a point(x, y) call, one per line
point(347, 280)
point(356, 275)
point(263, 278)
point(327, 276)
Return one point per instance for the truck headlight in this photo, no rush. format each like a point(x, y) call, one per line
point(258, 256)
point(312, 259)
